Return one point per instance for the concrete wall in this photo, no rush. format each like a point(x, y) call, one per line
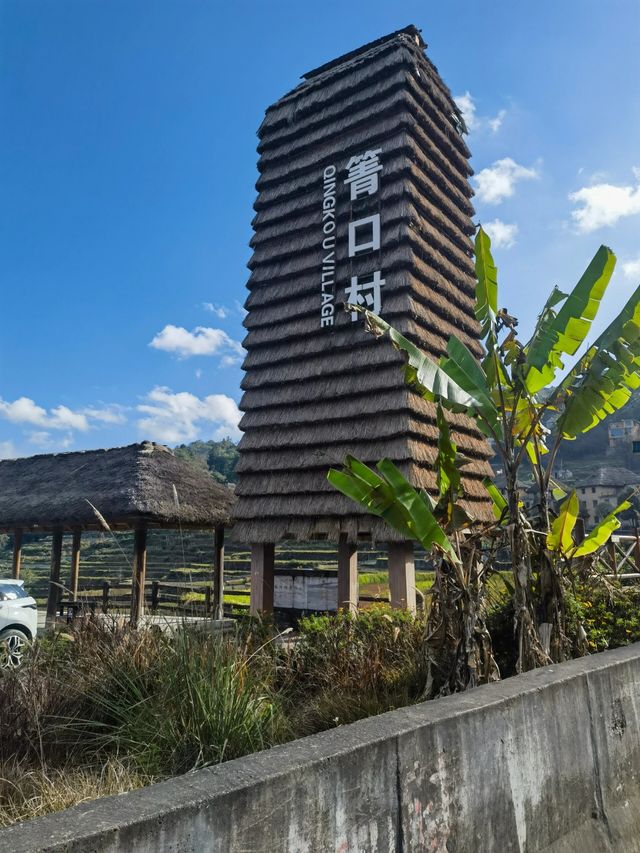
point(547, 761)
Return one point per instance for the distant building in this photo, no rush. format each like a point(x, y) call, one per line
point(623, 433)
point(601, 491)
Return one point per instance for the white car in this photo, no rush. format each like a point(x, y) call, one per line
point(18, 622)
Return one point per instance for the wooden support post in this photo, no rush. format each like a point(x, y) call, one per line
point(347, 575)
point(106, 586)
point(262, 577)
point(611, 547)
point(75, 563)
point(54, 578)
point(139, 573)
point(402, 576)
point(17, 551)
point(218, 573)
point(155, 595)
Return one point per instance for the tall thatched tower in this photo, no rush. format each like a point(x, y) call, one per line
point(363, 197)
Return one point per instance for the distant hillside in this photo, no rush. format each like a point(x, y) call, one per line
point(591, 450)
point(218, 457)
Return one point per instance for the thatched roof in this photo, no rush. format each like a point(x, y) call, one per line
point(129, 486)
point(312, 394)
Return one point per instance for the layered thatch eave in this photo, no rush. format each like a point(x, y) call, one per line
point(300, 171)
point(139, 485)
point(405, 97)
point(375, 60)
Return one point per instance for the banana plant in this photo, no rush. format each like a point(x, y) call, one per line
point(458, 645)
point(560, 539)
point(510, 394)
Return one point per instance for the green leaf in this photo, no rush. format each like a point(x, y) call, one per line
point(487, 288)
point(560, 539)
point(499, 504)
point(601, 533)
point(566, 331)
point(390, 496)
point(602, 381)
point(556, 490)
point(447, 473)
point(375, 499)
point(433, 381)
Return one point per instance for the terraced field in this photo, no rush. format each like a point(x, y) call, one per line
point(187, 560)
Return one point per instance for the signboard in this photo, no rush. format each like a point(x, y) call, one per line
point(362, 176)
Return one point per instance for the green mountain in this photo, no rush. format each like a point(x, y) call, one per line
point(218, 457)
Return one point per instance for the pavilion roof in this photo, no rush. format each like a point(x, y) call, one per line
point(141, 484)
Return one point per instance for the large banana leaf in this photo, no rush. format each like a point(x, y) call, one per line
point(390, 496)
point(602, 381)
point(559, 538)
point(564, 332)
point(435, 382)
point(601, 533)
point(363, 485)
point(487, 287)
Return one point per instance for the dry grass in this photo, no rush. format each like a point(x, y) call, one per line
point(101, 708)
point(27, 793)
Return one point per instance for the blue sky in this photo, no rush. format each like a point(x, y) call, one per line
point(127, 158)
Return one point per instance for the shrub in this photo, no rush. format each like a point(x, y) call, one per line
point(609, 615)
point(349, 666)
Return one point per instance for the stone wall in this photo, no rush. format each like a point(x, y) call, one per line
point(546, 761)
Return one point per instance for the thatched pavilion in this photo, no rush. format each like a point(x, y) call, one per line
point(127, 488)
point(363, 196)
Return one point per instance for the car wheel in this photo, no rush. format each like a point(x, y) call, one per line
point(13, 645)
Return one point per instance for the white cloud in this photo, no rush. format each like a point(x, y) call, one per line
point(467, 106)
point(219, 310)
point(631, 269)
point(496, 123)
point(497, 182)
point(502, 234)
point(8, 450)
point(112, 414)
point(201, 341)
point(40, 437)
point(230, 360)
point(26, 412)
point(176, 418)
point(603, 204)
point(63, 418)
point(45, 441)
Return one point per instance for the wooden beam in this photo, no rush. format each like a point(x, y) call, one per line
point(402, 576)
point(75, 563)
point(347, 575)
point(218, 573)
point(17, 551)
point(139, 574)
point(54, 578)
point(262, 577)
